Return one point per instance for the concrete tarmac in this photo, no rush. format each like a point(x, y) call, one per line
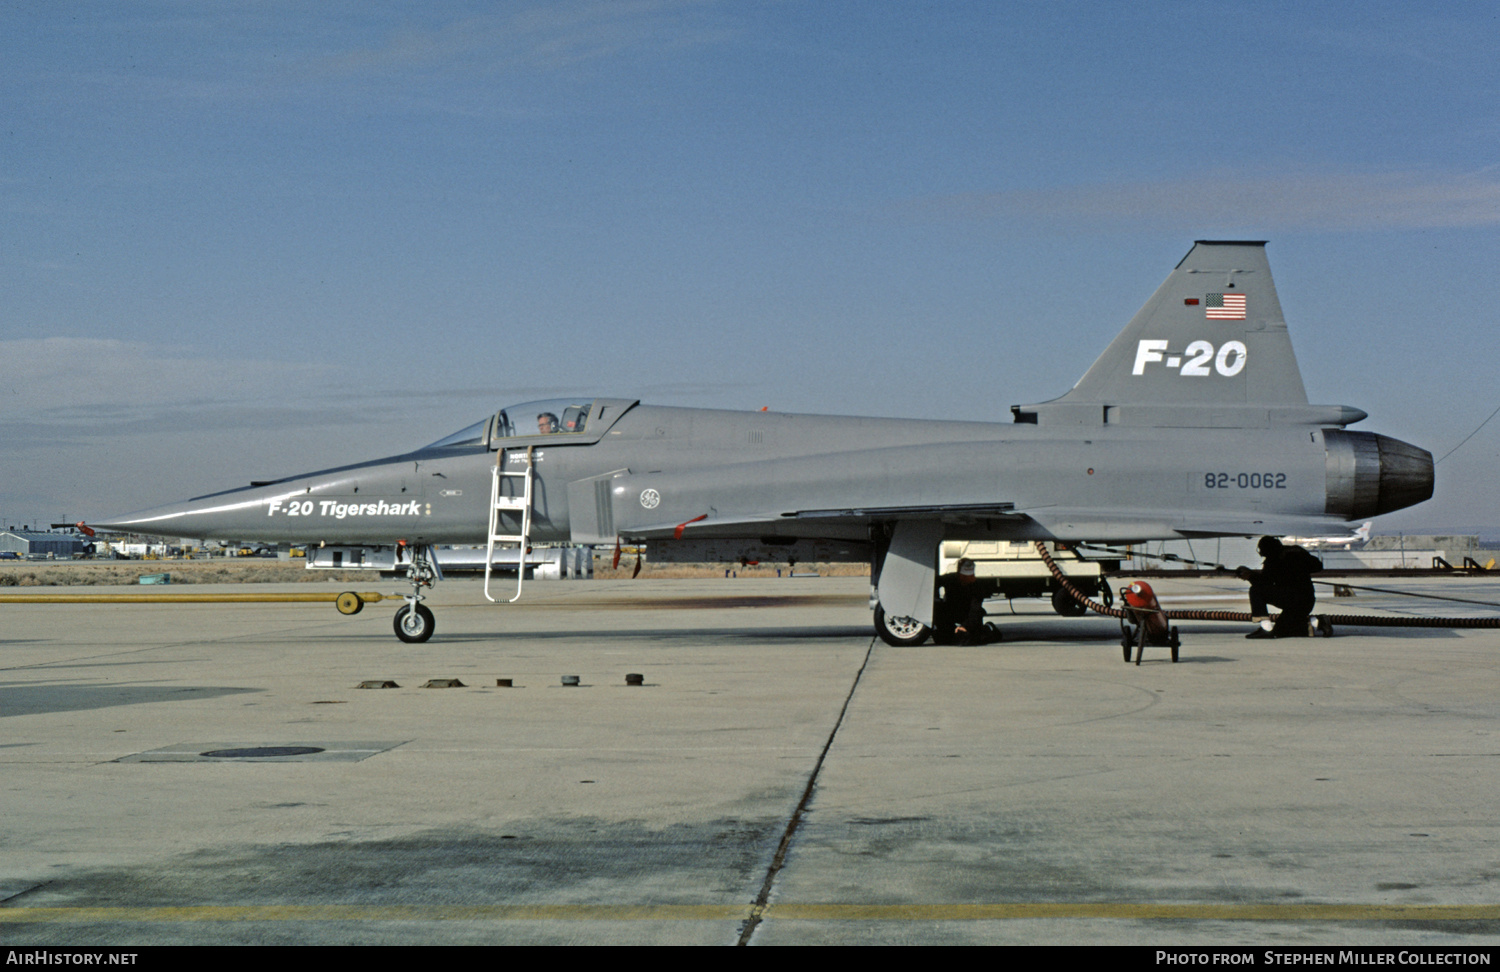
point(780, 778)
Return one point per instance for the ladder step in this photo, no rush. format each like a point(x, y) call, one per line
point(511, 503)
point(507, 538)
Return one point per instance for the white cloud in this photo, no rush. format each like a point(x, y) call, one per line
point(1318, 201)
point(64, 373)
point(64, 391)
point(547, 37)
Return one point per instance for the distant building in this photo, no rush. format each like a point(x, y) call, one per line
point(28, 544)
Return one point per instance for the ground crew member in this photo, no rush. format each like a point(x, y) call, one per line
point(960, 606)
point(1285, 580)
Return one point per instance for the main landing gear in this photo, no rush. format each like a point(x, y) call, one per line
point(909, 632)
point(414, 622)
point(900, 632)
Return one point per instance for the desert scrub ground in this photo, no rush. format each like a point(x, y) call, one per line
point(256, 570)
point(88, 573)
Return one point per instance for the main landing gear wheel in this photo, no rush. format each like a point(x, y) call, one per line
point(414, 626)
point(900, 632)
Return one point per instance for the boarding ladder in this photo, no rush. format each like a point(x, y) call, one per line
point(509, 504)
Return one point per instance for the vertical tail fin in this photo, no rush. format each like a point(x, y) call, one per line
point(1212, 334)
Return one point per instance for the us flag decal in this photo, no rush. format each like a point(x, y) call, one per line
point(1224, 307)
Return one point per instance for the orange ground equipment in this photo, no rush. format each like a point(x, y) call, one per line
point(1144, 623)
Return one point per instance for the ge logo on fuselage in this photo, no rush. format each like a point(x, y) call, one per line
point(650, 498)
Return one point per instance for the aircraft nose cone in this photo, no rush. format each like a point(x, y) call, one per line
point(158, 521)
point(203, 517)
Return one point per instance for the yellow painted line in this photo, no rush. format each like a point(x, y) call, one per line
point(1003, 911)
point(177, 598)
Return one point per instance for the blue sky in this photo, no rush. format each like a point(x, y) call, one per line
point(240, 241)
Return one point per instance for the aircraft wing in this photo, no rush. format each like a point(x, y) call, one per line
point(834, 522)
point(935, 512)
point(1008, 522)
point(833, 495)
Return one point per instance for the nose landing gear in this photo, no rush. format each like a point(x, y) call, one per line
point(414, 623)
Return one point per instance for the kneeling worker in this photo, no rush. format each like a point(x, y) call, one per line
point(960, 606)
point(1284, 580)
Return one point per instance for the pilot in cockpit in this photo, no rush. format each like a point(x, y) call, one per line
point(546, 424)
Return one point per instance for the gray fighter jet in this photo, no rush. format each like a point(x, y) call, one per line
point(1193, 423)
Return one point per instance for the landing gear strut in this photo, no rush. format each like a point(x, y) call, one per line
point(414, 622)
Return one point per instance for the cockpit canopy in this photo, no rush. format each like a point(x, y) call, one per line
point(567, 418)
point(552, 416)
point(470, 436)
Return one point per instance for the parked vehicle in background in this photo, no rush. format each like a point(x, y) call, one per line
point(1021, 572)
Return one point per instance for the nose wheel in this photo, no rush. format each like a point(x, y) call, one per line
point(414, 624)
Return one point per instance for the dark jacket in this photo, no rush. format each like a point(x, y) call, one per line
point(1287, 578)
